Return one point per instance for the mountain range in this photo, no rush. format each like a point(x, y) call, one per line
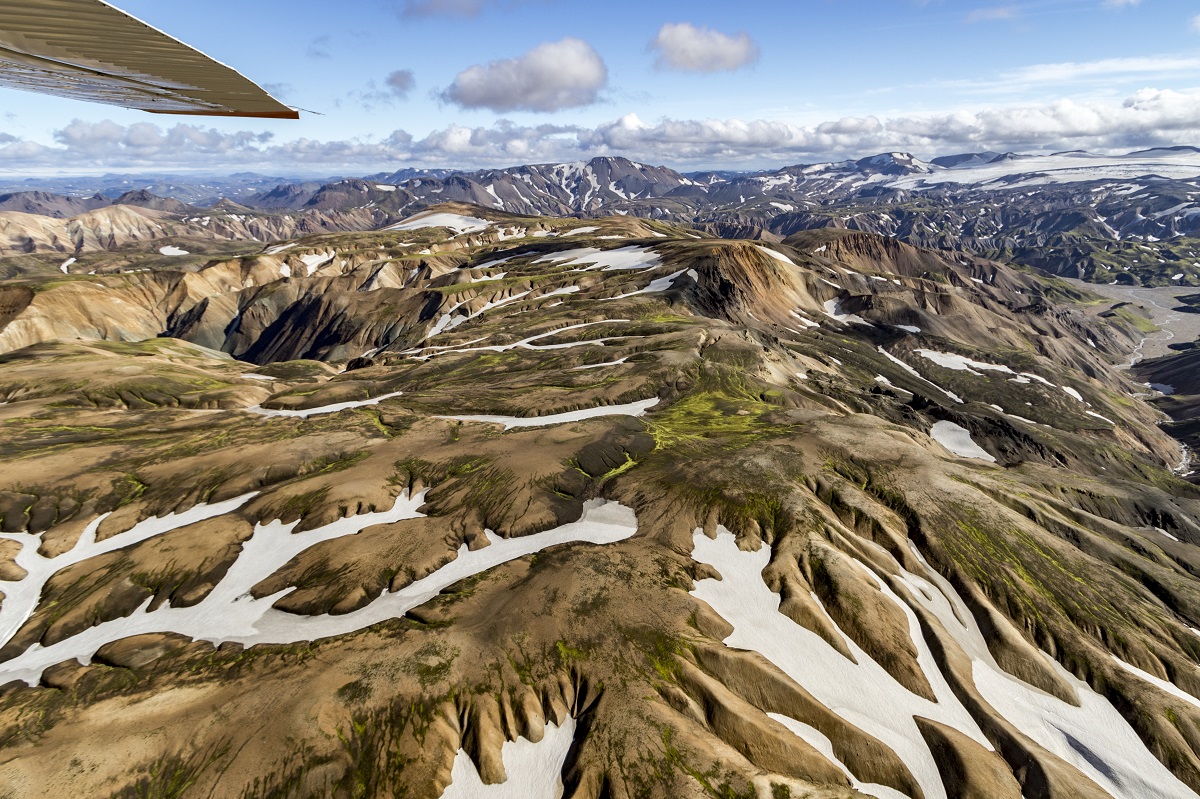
point(1130, 218)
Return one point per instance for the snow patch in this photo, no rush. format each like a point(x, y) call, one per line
point(314, 261)
point(457, 222)
point(305, 413)
point(959, 363)
point(778, 256)
point(958, 440)
point(638, 408)
point(833, 309)
point(588, 258)
point(534, 770)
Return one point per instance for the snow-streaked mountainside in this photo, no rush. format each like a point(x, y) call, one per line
point(1131, 218)
point(479, 504)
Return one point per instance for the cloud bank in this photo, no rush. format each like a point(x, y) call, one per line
point(1148, 118)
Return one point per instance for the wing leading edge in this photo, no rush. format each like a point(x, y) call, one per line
point(89, 50)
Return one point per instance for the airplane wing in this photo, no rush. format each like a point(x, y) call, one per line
point(89, 50)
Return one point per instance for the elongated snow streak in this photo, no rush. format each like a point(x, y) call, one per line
point(778, 256)
point(656, 285)
point(917, 374)
point(819, 741)
point(864, 694)
point(617, 362)
point(534, 769)
point(21, 596)
point(1163, 685)
point(230, 613)
point(638, 408)
point(448, 321)
point(306, 412)
point(426, 353)
point(958, 440)
point(1093, 737)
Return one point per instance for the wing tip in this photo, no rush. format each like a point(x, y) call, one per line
point(288, 113)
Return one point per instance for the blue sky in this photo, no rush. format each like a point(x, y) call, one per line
point(740, 85)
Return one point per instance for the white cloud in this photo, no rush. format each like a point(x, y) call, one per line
point(550, 77)
point(458, 8)
point(1106, 75)
point(685, 47)
point(992, 14)
point(1121, 3)
point(1147, 118)
point(1195, 24)
point(1075, 70)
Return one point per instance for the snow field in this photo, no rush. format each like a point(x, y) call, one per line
point(230, 613)
point(586, 259)
point(534, 769)
point(457, 222)
point(959, 363)
point(864, 694)
point(1093, 736)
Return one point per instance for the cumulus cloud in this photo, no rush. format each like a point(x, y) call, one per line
point(1147, 118)
point(685, 47)
point(550, 77)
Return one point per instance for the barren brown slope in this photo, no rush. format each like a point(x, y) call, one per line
point(789, 400)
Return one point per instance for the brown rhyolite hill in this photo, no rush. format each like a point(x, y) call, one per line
point(796, 394)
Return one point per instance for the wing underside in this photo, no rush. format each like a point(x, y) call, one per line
point(89, 50)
